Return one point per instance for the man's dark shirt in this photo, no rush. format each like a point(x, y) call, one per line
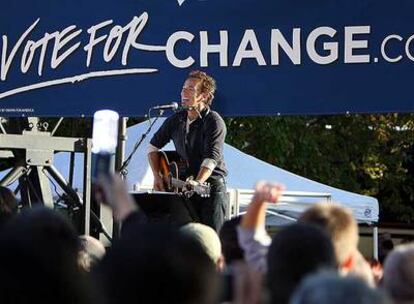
point(205, 139)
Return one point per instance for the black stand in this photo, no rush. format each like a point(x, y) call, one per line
point(163, 207)
point(100, 226)
point(123, 170)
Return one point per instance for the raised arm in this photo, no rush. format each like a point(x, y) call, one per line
point(254, 218)
point(251, 232)
point(115, 194)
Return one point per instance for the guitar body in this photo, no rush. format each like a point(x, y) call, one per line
point(167, 171)
point(170, 172)
point(179, 169)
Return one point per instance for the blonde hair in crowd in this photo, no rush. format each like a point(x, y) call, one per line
point(339, 222)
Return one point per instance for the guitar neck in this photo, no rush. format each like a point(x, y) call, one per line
point(203, 190)
point(177, 183)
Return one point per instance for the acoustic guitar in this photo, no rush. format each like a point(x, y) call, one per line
point(169, 171)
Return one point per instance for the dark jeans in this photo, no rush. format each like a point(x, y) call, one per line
point(211, 210)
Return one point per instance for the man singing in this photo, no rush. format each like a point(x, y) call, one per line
point(198, 134)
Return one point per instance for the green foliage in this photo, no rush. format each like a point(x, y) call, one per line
point(367, 154)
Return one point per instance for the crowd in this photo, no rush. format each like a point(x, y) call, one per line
point(313, 261)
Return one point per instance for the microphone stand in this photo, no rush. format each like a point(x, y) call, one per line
point(123, 170)
point(100, 226)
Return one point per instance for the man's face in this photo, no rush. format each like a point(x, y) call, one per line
point(190, 96)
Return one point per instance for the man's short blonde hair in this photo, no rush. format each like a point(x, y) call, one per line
point(207, 237)
point(207, 85)
point(340, 224)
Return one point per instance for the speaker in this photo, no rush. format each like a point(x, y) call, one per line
point(164, 207)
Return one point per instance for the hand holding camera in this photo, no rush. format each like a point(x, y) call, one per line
point(104, 142)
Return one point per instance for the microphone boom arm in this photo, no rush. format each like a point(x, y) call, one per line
point(123, 170)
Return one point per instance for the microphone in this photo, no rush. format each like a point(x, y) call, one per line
point(172, 106)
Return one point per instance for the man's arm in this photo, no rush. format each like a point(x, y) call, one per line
point(159, 140)
point(254, 219)
point(251, 232)
point(213, 148)
point(113, 191)
point(115, 194)
point(154, 161)
point(203, 174)
point(205, 171)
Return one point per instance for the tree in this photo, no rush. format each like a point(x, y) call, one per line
point(367, 154)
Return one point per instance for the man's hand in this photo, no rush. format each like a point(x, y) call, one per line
point(256, 212)
point(190, 184)
point(267, 192)
point(115, 194)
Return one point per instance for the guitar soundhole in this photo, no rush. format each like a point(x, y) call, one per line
point(182, 166)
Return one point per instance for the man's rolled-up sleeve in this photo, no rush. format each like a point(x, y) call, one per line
point(209, 163)
point(255, 244)
point(151, 149)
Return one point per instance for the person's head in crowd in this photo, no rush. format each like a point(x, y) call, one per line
point(385, 246)
point(229, 241)
point(330, 288)
point(157, 264)
point(341, 225)
point(38, 260)
point(296, 251)
point(208, 239)
point(398, 276)
point(90, 253)
point(8, 205)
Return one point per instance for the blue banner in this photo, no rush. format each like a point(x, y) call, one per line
point(269, 57)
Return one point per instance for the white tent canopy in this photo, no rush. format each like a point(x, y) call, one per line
point(244, 171)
